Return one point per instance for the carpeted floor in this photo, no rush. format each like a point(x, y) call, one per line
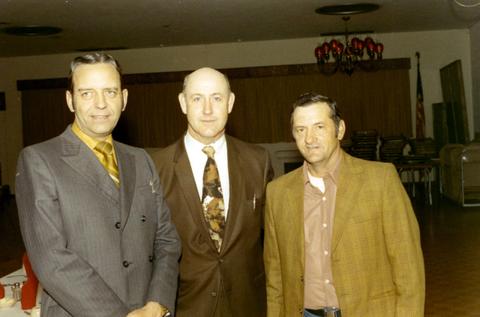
point(450, 242)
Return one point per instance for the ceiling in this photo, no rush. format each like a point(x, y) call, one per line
point(114, 24)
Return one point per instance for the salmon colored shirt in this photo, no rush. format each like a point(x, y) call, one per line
point(319, 211)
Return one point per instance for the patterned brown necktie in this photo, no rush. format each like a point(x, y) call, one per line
point(108, 161)
point(212, 199)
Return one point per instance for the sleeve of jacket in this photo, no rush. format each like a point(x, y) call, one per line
point(273, 272)
point(403, 246)
point(71, 281)
point(163, 285)
point(267, 177)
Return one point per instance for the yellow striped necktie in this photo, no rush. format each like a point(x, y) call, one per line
point(108, 161)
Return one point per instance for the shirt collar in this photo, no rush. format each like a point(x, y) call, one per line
point(88, 140)
point(190, 142)
point(332, 173)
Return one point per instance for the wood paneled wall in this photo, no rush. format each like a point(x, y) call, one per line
point(44, 114)
point(368, 100)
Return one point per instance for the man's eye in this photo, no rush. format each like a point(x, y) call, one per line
point(217, 98)
point(300, 130)
point(111, 93)
point(86, 95)
point(196, 99)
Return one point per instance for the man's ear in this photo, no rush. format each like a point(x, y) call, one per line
point(69, 99)
point(125, 98)
point(183, 102)
point(341, 130)
point(231, 101)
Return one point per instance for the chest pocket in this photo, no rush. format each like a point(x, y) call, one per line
point(144, 207)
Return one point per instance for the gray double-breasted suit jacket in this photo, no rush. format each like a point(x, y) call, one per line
point(230, 283)
point(98, 250)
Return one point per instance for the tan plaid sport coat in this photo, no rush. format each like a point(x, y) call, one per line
point(377, 260)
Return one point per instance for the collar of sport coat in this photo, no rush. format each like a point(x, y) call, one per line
point(126, 167)
point(80, 158)
point(238, 174)
point(186, 180)
point(347, 198)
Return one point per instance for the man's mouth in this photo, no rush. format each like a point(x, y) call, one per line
point(100, 117)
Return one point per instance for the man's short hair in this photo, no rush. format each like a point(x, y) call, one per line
point(310, 98)
point(90, 59)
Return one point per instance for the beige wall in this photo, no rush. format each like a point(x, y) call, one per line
point(436, 49)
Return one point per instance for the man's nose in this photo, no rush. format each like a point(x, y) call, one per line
point(101, 101)
point(310, 136)
point(207, 107)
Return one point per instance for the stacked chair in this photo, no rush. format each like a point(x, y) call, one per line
point(364, 144)
point(423, 148)
point(391, 148)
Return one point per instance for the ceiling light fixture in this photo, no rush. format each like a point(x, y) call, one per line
point(32, 30)
point(349, 54)
point(467, 5)
point(101, 49)
point(348, 9)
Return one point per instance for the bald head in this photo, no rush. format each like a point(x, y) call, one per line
point(205, 73)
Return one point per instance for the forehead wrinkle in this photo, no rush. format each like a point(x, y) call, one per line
point(308, 124)
point(212, 84)
point(202, 93)
point(94, 76)
point(102, 88)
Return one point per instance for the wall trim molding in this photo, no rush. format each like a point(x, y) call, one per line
point(232, 73)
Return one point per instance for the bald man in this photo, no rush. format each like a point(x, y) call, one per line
point(220, 220)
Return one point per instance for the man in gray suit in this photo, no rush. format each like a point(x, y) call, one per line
point(221, 269)
point(94, 220)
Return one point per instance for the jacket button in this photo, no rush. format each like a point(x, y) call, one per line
point(214, 294)
point(150, 258)
point(118, 225)
point(126, 264)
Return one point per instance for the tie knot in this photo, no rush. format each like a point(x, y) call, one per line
point(104, 147)
point(209, 150)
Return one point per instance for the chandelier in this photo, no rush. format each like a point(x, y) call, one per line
point(348, 55)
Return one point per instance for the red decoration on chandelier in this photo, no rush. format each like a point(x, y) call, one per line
point(348, 54)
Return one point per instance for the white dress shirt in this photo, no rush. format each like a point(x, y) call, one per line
point(198, 159)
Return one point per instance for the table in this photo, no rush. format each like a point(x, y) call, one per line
point(425, 172)
point(16, 310)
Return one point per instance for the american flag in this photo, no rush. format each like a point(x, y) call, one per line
point(420, 111)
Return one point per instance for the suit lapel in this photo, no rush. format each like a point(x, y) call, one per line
point(294, 207)
point(81, 159)
point(349, 183)
point(236, 170)
point(186, 181)
point(127, 169)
